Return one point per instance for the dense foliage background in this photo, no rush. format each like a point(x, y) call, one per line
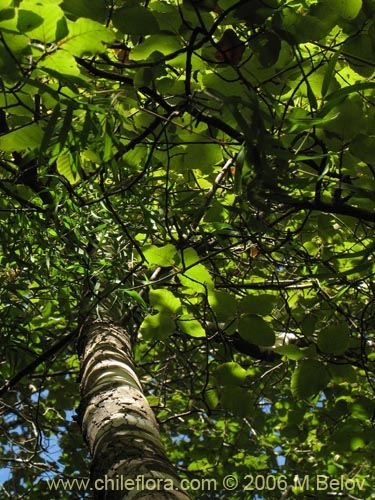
point(202, 171)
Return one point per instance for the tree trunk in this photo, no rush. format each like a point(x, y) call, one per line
point(128, 458)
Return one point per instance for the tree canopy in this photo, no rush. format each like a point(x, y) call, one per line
point(203, 172)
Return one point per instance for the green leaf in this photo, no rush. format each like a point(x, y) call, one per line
point(291, 351)
point(349, 436)
point(338, 95)
point(66, 125)
point(50, 129)
point(240, 163)
point(191, 326)
point(63, 65)
point(342, 373)
point(311, 96)
point(42, 21)
point(223, 305)
point(8, 18)
point(307, 123)
point(164, 301)
point(296, 27)
point(165, 44)
point(330, 73)
point(348, 9)
point(64, 167)
point(157, 326)
point(86, 38)
point(267, 48)
point(24, 138)
point(230, 373)
point(349, 118)
point(198, 156)
point(196, 277)
point(162, 324)
point(28, 21)
point(164, 256)
point(211, 397)
point(137, 296)
point(362, 408)
point(255, 330)
point(236, 400)
point(363, 147)
point(135, 21)
point(361, 47)
point(308, 379)
point(334, 339)
point(91, 9)
point(257, 304)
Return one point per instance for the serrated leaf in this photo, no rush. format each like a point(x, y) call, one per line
point(308, 379)
point(342, 373)
point(334, 339)
point(256, 330)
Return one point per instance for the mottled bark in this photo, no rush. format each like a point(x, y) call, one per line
point(128, 458)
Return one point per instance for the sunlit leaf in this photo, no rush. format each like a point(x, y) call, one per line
point(42, 20)
point(165, 44)
point(86, 38)
point(27, 137)
point(157, 326)
point(164, 301)
point(230, 373)
point(64, 167)
point(191, 326)
point(291, 351)
point(164, 256)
